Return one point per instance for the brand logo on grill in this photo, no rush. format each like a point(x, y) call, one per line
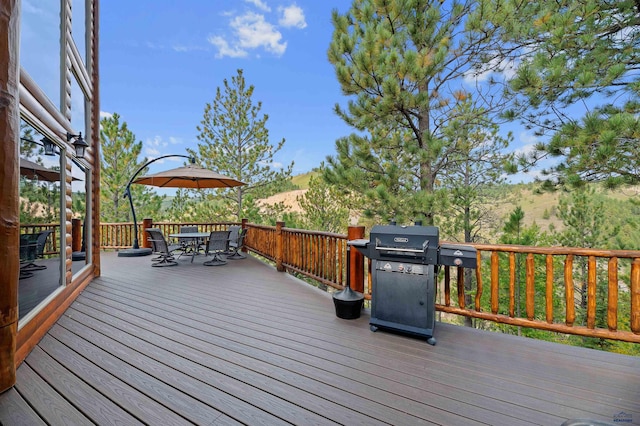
point(400, 240)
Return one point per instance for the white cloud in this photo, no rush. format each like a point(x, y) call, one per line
point(505, 68)
point(292, 16)
point(273, 165)
point(185, 48)
point(252, 31)
point(152, 152)
point(259, 4)
point(528, 145)
point(224, 49)
point(156, 142)
point(105, 114)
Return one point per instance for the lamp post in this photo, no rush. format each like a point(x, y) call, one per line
point(136, 250)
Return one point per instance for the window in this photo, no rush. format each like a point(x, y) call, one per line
point(40, 50)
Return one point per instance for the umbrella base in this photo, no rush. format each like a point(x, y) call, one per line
point(134, 252)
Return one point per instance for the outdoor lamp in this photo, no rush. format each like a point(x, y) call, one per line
point(79, 144)
point(49, 146)
point(46, 143)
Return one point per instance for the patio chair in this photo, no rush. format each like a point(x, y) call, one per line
point(218, 243)
point(161, 248)
point(32, 248)
point(188, 245)
point(154, 249)
point(233, 237)
point(234, 230)
point(236, 246)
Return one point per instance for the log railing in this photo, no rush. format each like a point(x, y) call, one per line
point(318, 255)
point(578, 291)
point(120, 235)
point(553, 283)
point(51, 246)
point(262, 240)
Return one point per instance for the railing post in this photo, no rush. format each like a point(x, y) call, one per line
point(146, 223)
point(76, 235)
point(279, 246)
point(356, 280)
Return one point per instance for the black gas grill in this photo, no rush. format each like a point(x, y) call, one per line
point(404, 266)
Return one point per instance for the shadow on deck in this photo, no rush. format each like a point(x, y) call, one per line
point(243, 343)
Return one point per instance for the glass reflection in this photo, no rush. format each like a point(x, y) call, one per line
point(80, 185)
point(78, 27)
point(80, 191)
point(40, 49)
point(40, 221)
point(78, 103)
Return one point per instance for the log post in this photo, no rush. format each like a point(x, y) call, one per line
point(530, 289)
point(279, 246)
point(495, 282)
point(146, 223)
point(356, 269)
point(635, 296)
point(9, 193)
point(612, 291)
point(76, 235)
point(568, 288)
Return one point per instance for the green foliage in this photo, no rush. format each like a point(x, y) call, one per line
point(302, 181)
point(119, 152)
point(39, 200)
point(577, 63)
point(402, 63)
point(582, 213)
point(324, 207)
point(234, 140)
point(476, 164)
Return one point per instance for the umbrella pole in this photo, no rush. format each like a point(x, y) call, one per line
point(135, 222)
point(136, 250)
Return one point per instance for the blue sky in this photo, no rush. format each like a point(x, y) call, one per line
point(161, 62)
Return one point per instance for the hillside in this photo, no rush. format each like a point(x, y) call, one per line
point(539, 206)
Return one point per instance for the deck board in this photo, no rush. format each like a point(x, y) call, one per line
point(245, 344)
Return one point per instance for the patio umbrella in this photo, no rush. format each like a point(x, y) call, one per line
point(32, 170)
point(191, 176)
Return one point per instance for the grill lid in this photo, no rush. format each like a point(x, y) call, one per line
point(394, 242)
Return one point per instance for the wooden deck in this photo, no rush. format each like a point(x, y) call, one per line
point(245, 344)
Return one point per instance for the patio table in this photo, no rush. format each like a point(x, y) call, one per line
point(193, 236)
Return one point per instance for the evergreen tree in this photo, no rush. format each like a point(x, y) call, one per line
point(475, 166)
point(586, 225)
point(234, 141)
point(323, 207)
point(404, 63)
point(120, 151)
point(39, 200)
point(577, 71)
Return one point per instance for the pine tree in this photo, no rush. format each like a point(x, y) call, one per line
point(577, 73)
point(234, 141)
point(323, 207)
point(120, 151)
point(404, 65)
point(476, 164)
